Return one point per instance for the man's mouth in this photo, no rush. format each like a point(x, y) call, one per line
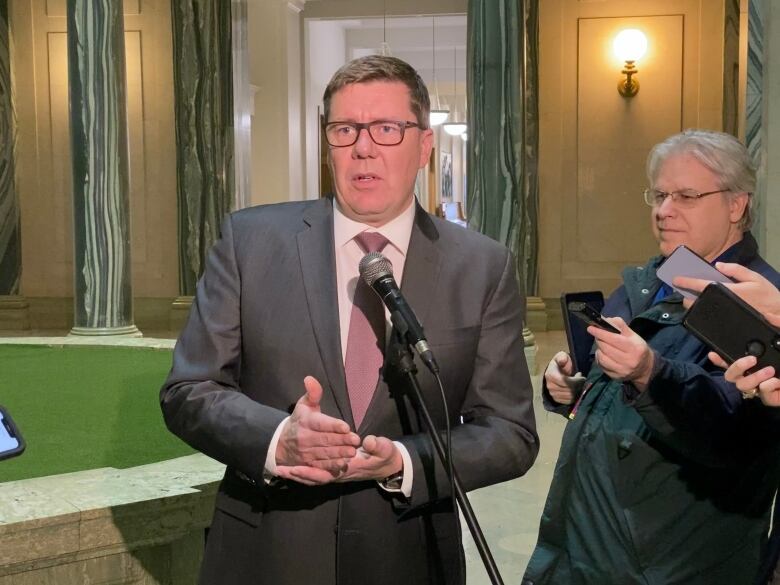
point(364, 177)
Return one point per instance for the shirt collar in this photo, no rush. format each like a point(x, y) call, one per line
point(398, 231)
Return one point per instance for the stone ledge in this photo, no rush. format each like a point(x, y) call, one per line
point(107, 522)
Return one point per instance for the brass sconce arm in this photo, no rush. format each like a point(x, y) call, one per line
point(629, 86)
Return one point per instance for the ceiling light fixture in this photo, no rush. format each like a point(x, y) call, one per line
point(438, 114)
point(455, 128)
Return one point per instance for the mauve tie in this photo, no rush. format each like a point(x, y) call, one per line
point(366, 339)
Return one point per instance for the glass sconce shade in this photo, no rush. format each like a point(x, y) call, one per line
point(630, 45)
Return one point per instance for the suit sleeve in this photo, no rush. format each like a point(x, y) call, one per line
point(497, 440)
point(201, 400)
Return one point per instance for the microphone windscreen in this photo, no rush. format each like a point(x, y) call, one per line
point(373, 266)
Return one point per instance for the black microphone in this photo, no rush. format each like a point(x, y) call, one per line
point(377, 272)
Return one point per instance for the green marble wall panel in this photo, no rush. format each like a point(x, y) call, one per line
point(10, 240)
point(204, 128)
point(731, 67)
point(503, 198)
point(753, 112)
point(98, 123)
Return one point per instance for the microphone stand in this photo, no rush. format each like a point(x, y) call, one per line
point(402, 358)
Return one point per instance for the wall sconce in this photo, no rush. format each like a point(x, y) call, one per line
point(629, 45)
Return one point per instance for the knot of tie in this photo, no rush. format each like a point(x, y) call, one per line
point(371, 241)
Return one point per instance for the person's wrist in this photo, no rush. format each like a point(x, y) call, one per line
point(645, 371)
point(395, 470)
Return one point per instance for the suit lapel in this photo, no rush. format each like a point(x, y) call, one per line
point(318, 264)
point(422, 266)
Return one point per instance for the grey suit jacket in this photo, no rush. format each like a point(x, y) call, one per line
point(265, 316)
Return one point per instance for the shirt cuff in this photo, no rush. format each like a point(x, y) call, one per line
point(269, 471)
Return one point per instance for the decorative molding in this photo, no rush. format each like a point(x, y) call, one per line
point(14, 313)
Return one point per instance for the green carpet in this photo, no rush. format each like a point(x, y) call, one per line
point(85, 407)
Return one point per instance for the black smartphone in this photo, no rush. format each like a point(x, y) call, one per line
point(580, 341)
point(11, 441)
point(590, 316)
point(732, 328)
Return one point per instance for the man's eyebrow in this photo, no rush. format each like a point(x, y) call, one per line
point(353, 121)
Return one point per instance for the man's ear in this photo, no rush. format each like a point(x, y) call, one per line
point(426, 144)
point(738, 206)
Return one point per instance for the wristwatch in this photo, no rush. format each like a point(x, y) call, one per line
point(393, 482)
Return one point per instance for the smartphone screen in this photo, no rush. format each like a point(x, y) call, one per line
point(685, 262)
point(10, 441)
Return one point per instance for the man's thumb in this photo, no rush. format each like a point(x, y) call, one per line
point(313, 391)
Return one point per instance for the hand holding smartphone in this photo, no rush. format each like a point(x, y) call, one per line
point(591, 316)
point(732, 328)
point(11, 441)
point(580, 341)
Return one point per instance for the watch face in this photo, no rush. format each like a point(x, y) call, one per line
point(394, 481)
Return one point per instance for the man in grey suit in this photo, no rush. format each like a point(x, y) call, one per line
point(330, 478)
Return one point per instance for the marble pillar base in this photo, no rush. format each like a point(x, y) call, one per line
point(128, 331)
point(531, 349)
point(14, 313)
point(180, 310)
point(536, 314)
point(143, 525)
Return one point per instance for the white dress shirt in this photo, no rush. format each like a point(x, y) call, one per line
point(348, 255)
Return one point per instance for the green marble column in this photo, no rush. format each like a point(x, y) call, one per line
point(502, 150)
point(503, 127)
point(98, 125)
point(203, 88)
point(10, 240)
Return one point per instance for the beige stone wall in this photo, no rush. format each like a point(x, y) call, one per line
point(276, 74)
point(593, 142)
point(39, 62)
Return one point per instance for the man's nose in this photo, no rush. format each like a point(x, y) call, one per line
point(364, 145)
point(666, 208)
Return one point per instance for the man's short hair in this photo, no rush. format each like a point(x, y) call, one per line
point(721, 153)
point(382, 68)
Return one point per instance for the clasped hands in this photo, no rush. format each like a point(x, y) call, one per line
point(622, 356)
point(316, 449)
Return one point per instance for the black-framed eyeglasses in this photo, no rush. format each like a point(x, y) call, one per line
point(382, 132)
point(684, 198)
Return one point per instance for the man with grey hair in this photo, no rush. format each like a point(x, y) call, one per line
point(279, 373)
point(665, 473)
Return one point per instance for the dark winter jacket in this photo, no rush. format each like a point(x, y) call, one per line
point(672, 485)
